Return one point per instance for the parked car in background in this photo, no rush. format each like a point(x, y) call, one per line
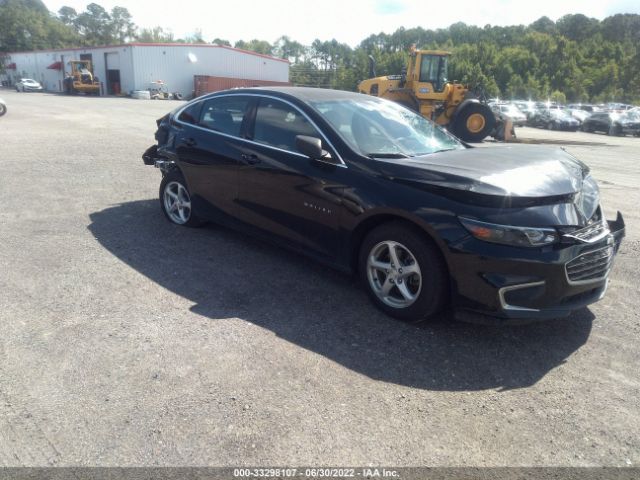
point(528, 108)
point(3, 107)
point(28, 85)
point(580, 115)
point(368, 186)
point(554, 119)
point(587, 107)
point(517, 117)
point(627, 123)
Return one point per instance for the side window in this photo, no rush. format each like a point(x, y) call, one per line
point(191, 113)
point(277, 124)
point(224, 114)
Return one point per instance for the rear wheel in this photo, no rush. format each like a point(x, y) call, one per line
point(175, 200)
point(402, 272)
point(474, 123)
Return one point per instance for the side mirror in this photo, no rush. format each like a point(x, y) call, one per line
point(311, 147)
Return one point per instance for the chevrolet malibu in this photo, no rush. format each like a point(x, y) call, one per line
point(502, 234)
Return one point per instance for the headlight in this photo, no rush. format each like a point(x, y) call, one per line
point(588, 199)
point(510, 235)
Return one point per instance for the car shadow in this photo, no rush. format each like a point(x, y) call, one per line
point(230, 275)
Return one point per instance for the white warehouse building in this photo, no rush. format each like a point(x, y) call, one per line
point(133, 66)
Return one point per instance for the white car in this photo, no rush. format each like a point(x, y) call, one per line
point(28, 85)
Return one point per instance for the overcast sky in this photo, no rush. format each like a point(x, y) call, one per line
point(348, 21)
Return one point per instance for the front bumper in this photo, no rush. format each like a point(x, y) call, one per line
point(501, 285)
point(31, 89)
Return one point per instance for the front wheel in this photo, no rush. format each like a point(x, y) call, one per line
point(474, 123)
point(175, 200)
point(403, 273)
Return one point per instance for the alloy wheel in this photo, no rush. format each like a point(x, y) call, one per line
point(394, 274)
point(177, 202)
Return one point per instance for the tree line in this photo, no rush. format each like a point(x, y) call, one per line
point(576, 58)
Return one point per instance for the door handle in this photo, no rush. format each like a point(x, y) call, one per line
point(251, 159)
point(190, 142)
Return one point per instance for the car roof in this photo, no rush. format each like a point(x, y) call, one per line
point(305, 94)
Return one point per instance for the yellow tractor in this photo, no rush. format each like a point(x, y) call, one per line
point(425, 88)
point(81, 79)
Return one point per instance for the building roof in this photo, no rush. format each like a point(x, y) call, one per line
point(140, 44)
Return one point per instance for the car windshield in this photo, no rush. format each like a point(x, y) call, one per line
point(383, 129)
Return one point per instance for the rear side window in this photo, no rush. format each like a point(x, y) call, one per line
point(277, 124)
point(224, 114)
point(191, 113)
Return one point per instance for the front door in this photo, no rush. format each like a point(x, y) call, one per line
point(284, 192)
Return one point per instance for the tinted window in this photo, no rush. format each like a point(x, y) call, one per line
point(224, 114)
point(278, 124)
point(191, 113)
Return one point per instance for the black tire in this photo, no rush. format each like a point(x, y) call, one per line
point(432, 294)
point(460, 128)
point(171, 180)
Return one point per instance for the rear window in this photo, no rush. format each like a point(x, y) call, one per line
point(224, 114)
point(191, 113)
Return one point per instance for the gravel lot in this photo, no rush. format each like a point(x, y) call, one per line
point(128, 341)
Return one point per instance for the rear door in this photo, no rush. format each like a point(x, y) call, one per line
point(210, 152)
point(283, 192)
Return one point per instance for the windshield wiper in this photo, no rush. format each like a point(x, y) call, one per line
point(387, 155)
point(443, 150)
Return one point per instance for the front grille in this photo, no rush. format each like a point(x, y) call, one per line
point(591, 233)
point(590, 266)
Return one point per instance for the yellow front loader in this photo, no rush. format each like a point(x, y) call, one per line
point(425, 88)
point(81, 79)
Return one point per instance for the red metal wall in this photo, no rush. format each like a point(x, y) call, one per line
point(205, 84)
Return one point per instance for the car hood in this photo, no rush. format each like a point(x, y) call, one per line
point(531, 173)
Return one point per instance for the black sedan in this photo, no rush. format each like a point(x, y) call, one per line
point(613, 123)
point(366, 185)
point(554, 119)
